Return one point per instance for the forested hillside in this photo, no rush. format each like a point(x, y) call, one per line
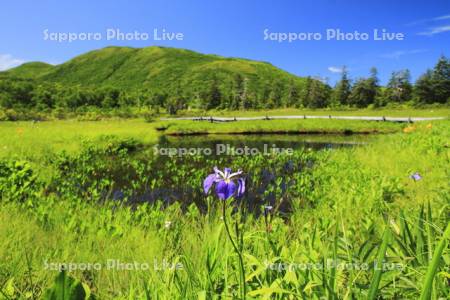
point(171, 79)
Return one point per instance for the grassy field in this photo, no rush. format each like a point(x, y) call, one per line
point(309, 126)
point(351, 211)
point(30, 139)
point(400, 112)
point(35, 138)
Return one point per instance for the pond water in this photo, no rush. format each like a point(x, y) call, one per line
point(269, 179)
point(240, 144)
point(143, 176)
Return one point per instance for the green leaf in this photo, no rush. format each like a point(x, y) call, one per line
point(67, 288)
point(378, 272)
point(431, 271)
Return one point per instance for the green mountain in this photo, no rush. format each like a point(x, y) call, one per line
point(29, 70)
point(151, 67)
point(181, 75)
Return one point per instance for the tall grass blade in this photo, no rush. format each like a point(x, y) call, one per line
point(432, 268)
point(378, 271)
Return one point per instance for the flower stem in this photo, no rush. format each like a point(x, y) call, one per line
point(241, 261)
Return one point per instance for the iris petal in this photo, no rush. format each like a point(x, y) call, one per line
point(239, 172)
point(225, 190)
point(221, 189)
point(208, 182)
point(218, 172)
point(241, 187)
point(231, 189)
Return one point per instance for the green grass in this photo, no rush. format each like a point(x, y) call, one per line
point(280, 126)
point(366, 209)
point(28, 139)
point(32, 140)
point(388, 112)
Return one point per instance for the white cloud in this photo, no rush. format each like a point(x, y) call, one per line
point(446, 17)
point(399, 53)
point(7, 61)
point(435, 30)
point(333, 69)
point(432, 30)
point(440, 18)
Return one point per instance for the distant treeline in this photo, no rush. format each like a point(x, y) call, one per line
point(40, 96)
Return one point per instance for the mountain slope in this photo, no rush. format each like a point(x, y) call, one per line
point(168, 71)
point(154, 67)
point(30, 70)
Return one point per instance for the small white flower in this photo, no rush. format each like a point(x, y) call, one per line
point(167, 224)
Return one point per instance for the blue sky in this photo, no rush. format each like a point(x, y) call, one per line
point(236, 28)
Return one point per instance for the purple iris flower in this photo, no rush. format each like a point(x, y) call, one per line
point(416, 176)
point(225, 184)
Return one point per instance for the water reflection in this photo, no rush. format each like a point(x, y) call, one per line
point(264, 142)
